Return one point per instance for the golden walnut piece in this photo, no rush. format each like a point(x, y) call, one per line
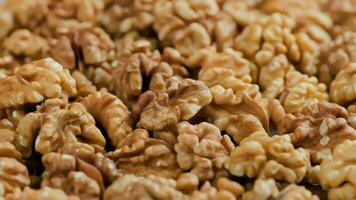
point(74, 176)
point(342, 88)
point(318, 129)
point(44, 193)
point(24, 43)
point(13, 175)
point(336, 55)
point(111, 113)
point(51, 130)
point(181, 102)
point(301, 91)
point(262, 156)
point(202, 149)
point(135, 187)
point(35, 82)
point(337, 172)
point(139, 154)
point(267, 189)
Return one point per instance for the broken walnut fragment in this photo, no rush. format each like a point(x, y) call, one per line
point(35, 82)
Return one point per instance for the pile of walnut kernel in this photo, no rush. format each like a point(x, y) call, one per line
point(178, 99)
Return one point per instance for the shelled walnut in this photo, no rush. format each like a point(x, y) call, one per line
point(180, 102)
point(272, 157)
point(137, 153)
point(201, 149)
point(52, 129)
point(34, 82)
point(318, 129)
point(336, 172)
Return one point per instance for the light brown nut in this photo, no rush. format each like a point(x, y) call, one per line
point(228, 60)
point(8, 149)
point(139, 154)
point(51, 131)
point(312, 29)
point(6, 22)
point(44, 193)
point(271, 35)
point(337, 170)
point(133, 42)
point(79, 150)
point(13, 174)
point(180, 103)
point(34, 82)
point(294, 192)
point(200, 149)
point(128, 16)
point(88, 154)
point(187, 182)
point(107, 168)
point(129, 75)
point(73, 176)
point(61, 50)
point(318, 129)
point(342, 12)
point(84, 86)
point(191, 39)
point(27, 13)
point(207, 191)
point(272, 71)
point(190, 25)
point(341, 88)
point(111, 113)
point(248, 14)
point(346, 191)
point(224, 31)
point(135, 187)
point(273, 157)
point(24, 43)
point(234, 187)
point(67, 15)
point(336, 55)
point(193, 10)
point(238, 108)
point(301, 91)
point(312, 11)
point(276, 35)
point(262, 189)
point(351, 119)
point(100, 76)
point(95, 44)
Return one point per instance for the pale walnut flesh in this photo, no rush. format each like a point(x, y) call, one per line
point(342, 88)
point(201, 149)
point(72, 175)
point(50, 131)
point(336, 172)
point(139, 154)
point(135, 187)
point(262, 156)
point(111, 113)
point(34, 82)
point(301, 91)
point(318, 129)
point(14, 174)
point(181, 103)
point(44, 193)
